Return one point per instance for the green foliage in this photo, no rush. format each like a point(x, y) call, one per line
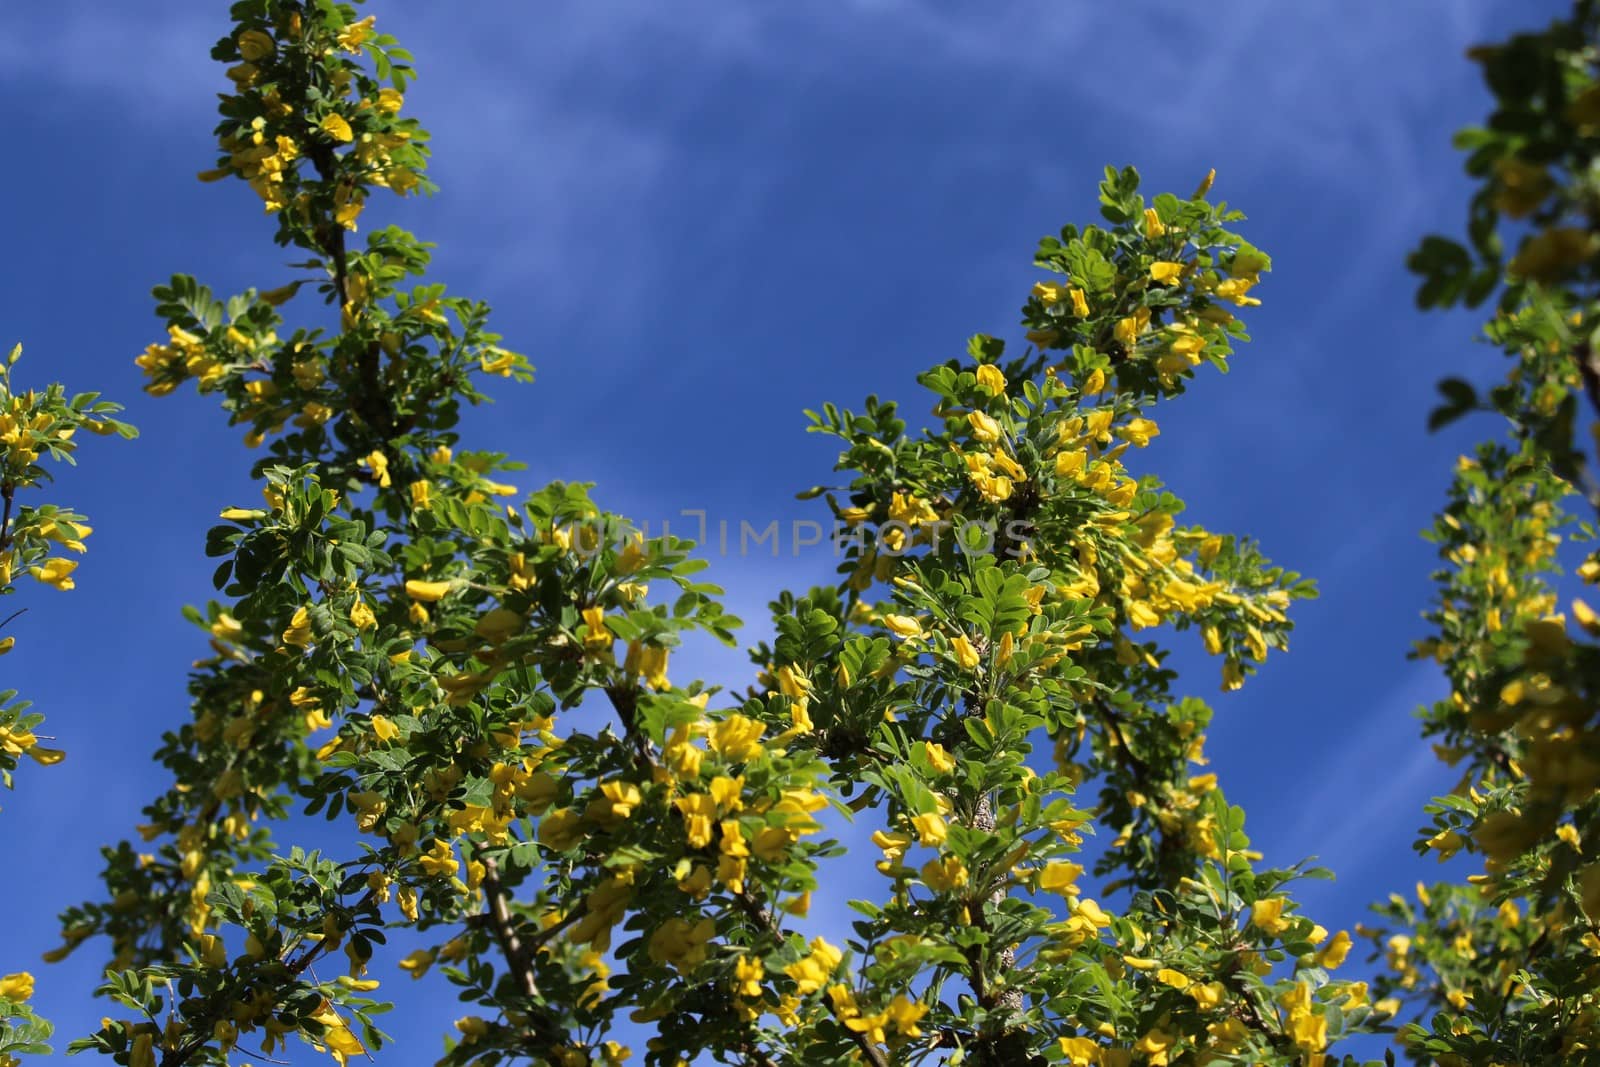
point(1503, 969)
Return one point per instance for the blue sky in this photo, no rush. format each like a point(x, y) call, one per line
point(698, 219)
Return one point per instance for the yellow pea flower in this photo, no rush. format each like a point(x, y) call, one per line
point(1139, 431)
point(353, 36)
point(1049, 292)
point(931, 828)
point(1334, 952)
point(966, 654)
point(1060, 877)
point(737, 738)
point(681, 943)
point(335, 126)
point(299, 632)
point(56, 572)
point(903, 626)
point(944, 874)
point(1079, 1051)
point(16, 987)
point(990, 379)
point(1266, 915)
point(1232, 676)
point(254, 46)
point(361, 616)
point(378, 463)
point(426, 591)
point(498, 362)
point(984, 428)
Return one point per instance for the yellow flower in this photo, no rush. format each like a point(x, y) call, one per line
point(1308, 1031)
point(55, 572)
point(944, 874)
point(439, 859)
point(561, 829)
point(1128, 329)
point(1156, 1047)
point(990, 379)
point(353, 36)
point(384, 729)
point(747, 974)
point(299, 632)
point(1232, 675)
point(984, 428)
point(966, 654)
point(1267, 915)
point(938, 757)
point(1080, 303)
point(46, 757)
point(1153, 226)
point(1176, 979)
point(335, 126)
point(1139, 431)
point(378, 463)
point(1234, 289)
point(16, 987)
point(904, 1013)
point(810, 972)
point(498, 362)
point(903, 626)
point(1060, 877)
point(737, 738)
point(931, 828)
point(1049, 292)
point(1163, 273)
point(498, 625)
point(1333, 953)
point(1079, 1051)
point(254, 46)
point(361, 616)
point(681, 943)
point(426, 591)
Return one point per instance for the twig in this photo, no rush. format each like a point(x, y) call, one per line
point(504, 931)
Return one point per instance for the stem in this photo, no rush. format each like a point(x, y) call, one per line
point(625, 700)
point(504, 931)
point(8, 490)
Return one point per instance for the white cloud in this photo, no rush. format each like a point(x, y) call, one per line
point(1374, 786)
